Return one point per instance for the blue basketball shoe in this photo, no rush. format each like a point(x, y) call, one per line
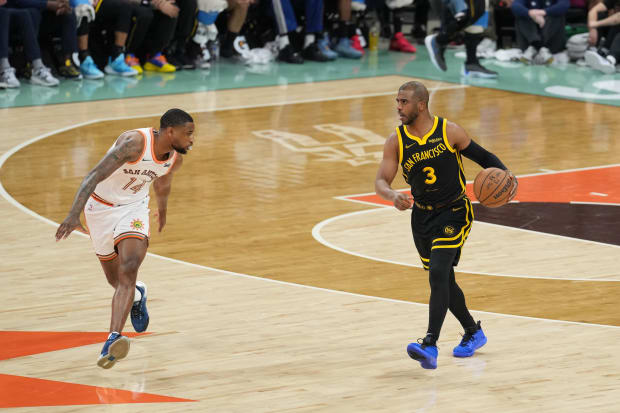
point(115, 348)
point(139, 314)
point(471, 342)
point(425, 353)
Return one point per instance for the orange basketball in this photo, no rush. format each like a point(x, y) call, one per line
point(492, 187)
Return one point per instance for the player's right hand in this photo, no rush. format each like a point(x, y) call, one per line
point(67, 226)
point(402, 201)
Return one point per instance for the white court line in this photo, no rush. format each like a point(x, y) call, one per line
point(347, 198)
point(33, 214)
point(316, 233)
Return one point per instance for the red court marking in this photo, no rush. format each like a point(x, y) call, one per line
point(562, 187)
point(17, 391)
point(24, 343)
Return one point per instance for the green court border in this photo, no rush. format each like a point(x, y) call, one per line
point(566, 81)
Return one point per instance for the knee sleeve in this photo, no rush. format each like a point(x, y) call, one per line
point(440, 267)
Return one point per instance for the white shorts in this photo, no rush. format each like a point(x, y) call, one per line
point(109, 224)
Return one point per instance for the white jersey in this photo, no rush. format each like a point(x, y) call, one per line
point(130, 183)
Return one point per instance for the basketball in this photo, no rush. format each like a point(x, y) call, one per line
point(492, 187)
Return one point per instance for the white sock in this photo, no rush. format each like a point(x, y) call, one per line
point(37, 64)
point(113, 332)
point(310, 37)
point(4, 63)
point(137, 295)
point(283, 41)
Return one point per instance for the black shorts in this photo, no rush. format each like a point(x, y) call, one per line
point(447, 227)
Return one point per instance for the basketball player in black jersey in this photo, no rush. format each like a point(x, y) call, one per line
point(428, 149)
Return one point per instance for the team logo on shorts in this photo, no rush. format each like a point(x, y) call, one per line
point(448, 230)
point(137, 224)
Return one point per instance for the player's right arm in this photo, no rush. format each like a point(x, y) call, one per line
point(387, 172)
point(128, 148)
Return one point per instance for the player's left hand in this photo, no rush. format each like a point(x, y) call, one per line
point(161, 218)
point(515, 186)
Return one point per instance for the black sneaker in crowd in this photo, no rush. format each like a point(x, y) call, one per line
point(477, 70)
point(312, 52)
point(289, 55)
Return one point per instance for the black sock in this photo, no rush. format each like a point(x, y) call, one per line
point(117, 50)
point(398, 24)
point(341, 31)
point(471, 43)
point(83, 54)
point(429, 340)
point(351, 29)
point(227, 48)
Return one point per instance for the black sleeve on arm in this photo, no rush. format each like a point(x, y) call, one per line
point(482, 157)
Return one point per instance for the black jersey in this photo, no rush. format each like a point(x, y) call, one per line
point(430, 165)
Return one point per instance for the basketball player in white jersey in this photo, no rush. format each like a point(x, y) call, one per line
point(115, 200)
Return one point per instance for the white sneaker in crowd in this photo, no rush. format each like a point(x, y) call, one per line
point(7, 77)
point(43, 76)
point(528, 55)
point(606, 65)
point(544, 57)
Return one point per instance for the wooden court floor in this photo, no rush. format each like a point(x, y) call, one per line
point(268, 292)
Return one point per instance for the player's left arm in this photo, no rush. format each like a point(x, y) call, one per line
point(162, 187)
point(460, 140)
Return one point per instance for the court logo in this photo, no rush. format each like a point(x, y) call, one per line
point(332, 143)
point(449, 230)
point(137, 224)
point(600, 90)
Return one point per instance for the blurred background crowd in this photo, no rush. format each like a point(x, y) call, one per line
point(46, 41)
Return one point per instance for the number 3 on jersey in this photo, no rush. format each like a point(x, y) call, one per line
point(430, 175)
point(134, 188)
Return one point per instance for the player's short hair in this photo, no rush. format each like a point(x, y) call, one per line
point(418, 89)
point(174, 117)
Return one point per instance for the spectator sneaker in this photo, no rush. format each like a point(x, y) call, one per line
point(43, 77)
point(313, 52)
point(544, 57)
point(90, 70)
point(400, 44)
point(158, 63)
point(323, 43)
point(133, 62)
point(7, 77)
point(528, 55)
point(345, 49)
point(436, 52)
point(477, 70)
point(69, 71)
point(356, 43)
point(119, 67)
point(289, 55)
point(606, 65)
